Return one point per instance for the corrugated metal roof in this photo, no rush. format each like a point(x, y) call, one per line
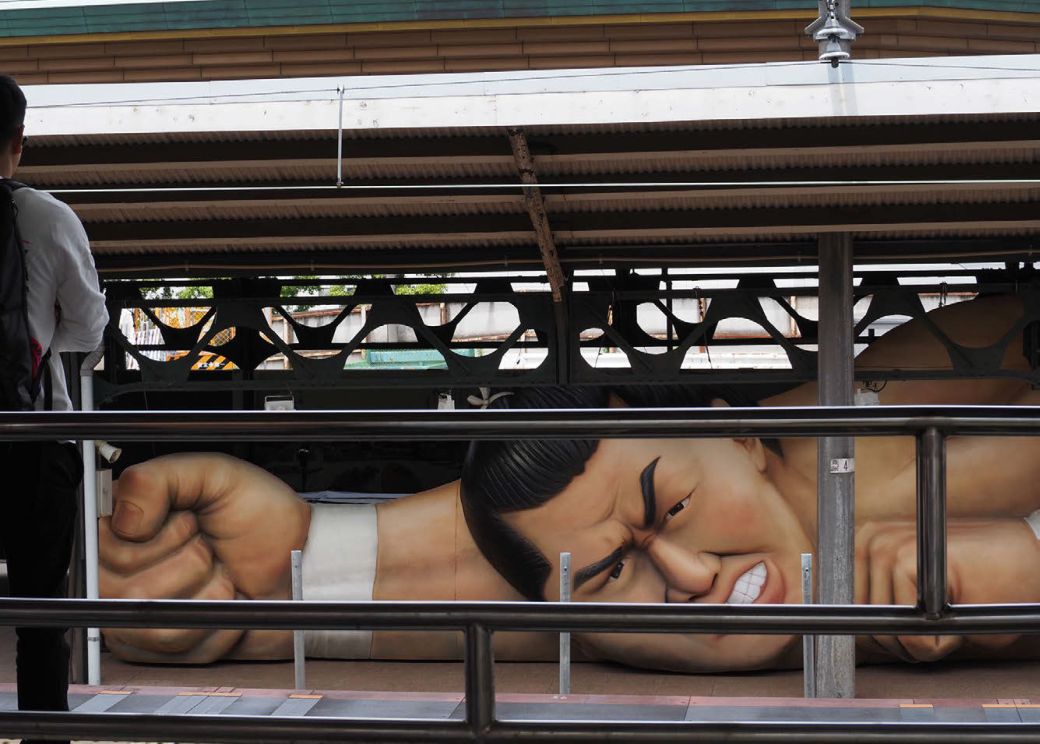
point(302, 209)
point(464, 224)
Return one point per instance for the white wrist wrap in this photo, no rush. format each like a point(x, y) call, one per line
point(339, 563)
point(1033, 520)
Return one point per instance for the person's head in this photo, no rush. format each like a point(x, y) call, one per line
point(646, 520)
point(12, 124)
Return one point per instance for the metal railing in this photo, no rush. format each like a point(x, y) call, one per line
point(932, 615)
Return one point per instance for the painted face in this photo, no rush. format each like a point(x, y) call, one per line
point(674, 520)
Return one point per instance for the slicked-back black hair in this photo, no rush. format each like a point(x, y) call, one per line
point(12, 108)
point(499, 477)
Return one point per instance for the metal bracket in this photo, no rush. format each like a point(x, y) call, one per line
point(103, 479)
point(834, 31)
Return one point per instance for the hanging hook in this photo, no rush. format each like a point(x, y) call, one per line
point(339, 140)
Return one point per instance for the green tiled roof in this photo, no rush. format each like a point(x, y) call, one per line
point(219, 14)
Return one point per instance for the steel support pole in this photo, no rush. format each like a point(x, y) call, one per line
point(835, 655)
point(931, 522)
point(480, 680)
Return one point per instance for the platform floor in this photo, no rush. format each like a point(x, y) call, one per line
point(1018, 680)
point(1007, 692)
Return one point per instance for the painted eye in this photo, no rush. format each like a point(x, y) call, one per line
point(616, 572)
point(677, 508)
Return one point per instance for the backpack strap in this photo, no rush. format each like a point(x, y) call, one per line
point(10, 185)
point(48, 386)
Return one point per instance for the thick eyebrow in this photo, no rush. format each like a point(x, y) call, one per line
point(646, 485)
point(594, 569)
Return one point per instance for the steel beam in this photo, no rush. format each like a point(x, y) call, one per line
point(835, 656)
point(536, 210)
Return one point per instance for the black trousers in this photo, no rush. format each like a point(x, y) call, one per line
point(38, 505)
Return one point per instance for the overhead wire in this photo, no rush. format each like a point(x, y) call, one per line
point(527, 77)
point(551, 185)
point(265, 96)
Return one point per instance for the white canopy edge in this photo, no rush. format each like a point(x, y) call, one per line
point(892, 87)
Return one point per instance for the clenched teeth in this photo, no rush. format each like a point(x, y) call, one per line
point(749, 585)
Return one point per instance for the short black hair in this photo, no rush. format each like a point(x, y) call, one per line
point(12, 108)
point(499, 477)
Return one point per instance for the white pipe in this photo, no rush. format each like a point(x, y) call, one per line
point(90, 516)
point(108, 451)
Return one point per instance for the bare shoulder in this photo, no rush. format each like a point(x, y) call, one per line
point(978, 323)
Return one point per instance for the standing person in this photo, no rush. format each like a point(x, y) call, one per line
point(66, 312)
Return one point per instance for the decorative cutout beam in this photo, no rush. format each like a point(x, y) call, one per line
point(536, 209)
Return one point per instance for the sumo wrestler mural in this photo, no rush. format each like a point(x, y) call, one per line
point(674, 520)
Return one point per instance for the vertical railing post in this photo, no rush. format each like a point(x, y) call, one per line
point(565, 638)
point(931, 522)
point(480, 679)
point(299, 651)
point(808, 640)
point(836, 507)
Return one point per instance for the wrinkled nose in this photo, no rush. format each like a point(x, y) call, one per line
point(687, 573)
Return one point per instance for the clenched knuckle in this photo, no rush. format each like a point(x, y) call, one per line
point(108, 585)
point(135, 588)
point(170, 640)
point(132, 480)
point(907, 553)
point(199, 552)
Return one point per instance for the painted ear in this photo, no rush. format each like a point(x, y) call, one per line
point(756, 451)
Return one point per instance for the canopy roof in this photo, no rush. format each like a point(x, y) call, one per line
point(494, 170)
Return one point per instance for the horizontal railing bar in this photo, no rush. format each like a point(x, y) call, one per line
point(517, 424)
point(542, 616)
point(258, 729)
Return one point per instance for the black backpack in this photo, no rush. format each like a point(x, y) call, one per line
point(22, 361)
